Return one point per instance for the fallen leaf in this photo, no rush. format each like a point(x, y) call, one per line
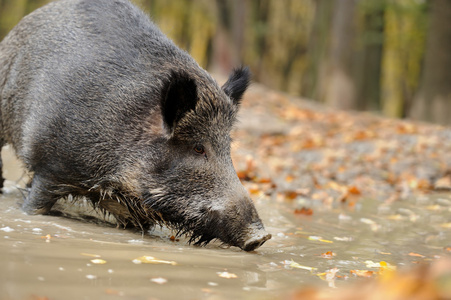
point(294, 264)
point(114, 292)
point(344, 239)
point(386, 269)
point(244, 176)
point(290, 195)
point(406, 128)
point(159, 280)
point(263, 180)
point(328, 254)
point(6, 229)
point(331, 276)
point(47, 238)
point(367, 221)
point(416, 183)
point(226, 275)
point(434, 207)
point(416, 254)
point(362, 273)
point(289, 178)
point(372, 264)
point(443, 183)
point(98, 261)
point(353, 190)
point(152, 260)
point(90, 255)
point(254, 191)
point(395, 217)
point(303, 211)
point(318, 238)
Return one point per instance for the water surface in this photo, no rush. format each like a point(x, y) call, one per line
point(57, 257)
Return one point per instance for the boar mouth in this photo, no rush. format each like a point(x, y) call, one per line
point(251, 244)
point(253, 237)
point(207, 224)
point(257, 237)
point(202, 233)
point(254, 244)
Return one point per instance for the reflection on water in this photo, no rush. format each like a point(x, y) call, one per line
point(54, 257)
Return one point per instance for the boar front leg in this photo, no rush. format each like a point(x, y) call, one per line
point(40, 199)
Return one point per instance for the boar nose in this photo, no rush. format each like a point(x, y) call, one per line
point(257, 236)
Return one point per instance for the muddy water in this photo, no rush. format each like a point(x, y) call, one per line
point(61, 257)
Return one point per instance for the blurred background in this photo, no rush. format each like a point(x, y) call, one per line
point(387, 56)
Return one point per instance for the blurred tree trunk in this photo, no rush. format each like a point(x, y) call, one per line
point(317, 49)
point(433, 99)
point(404, 46)
point(341, 89)
point(228, 39)
point(256, 50)
point(369, 73)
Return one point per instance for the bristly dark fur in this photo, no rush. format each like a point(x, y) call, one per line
point(180, 97)
point(237, 84)
point(201, 228)
point(98, 103)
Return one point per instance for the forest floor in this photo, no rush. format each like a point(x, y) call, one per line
point(290, 149)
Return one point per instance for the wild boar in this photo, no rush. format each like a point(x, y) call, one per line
point(98, 103)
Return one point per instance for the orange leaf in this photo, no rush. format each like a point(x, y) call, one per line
point(263, 180)
point(362, 273)
point(419, 183)
point(353, 190)
point(243, 175)
point(415, 254)
point(303, 211)
point(253, 190)
point(363, 135)
point(113, 292)
point(289, 178)
point(292, 194)
point(328, 254)
point(404, 128)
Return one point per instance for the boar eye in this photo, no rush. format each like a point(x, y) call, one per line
point(199, 149)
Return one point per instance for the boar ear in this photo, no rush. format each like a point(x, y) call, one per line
point(237, 84)
point(179, 96)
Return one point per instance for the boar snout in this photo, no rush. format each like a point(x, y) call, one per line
point(250, 229)
point(256, 237)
